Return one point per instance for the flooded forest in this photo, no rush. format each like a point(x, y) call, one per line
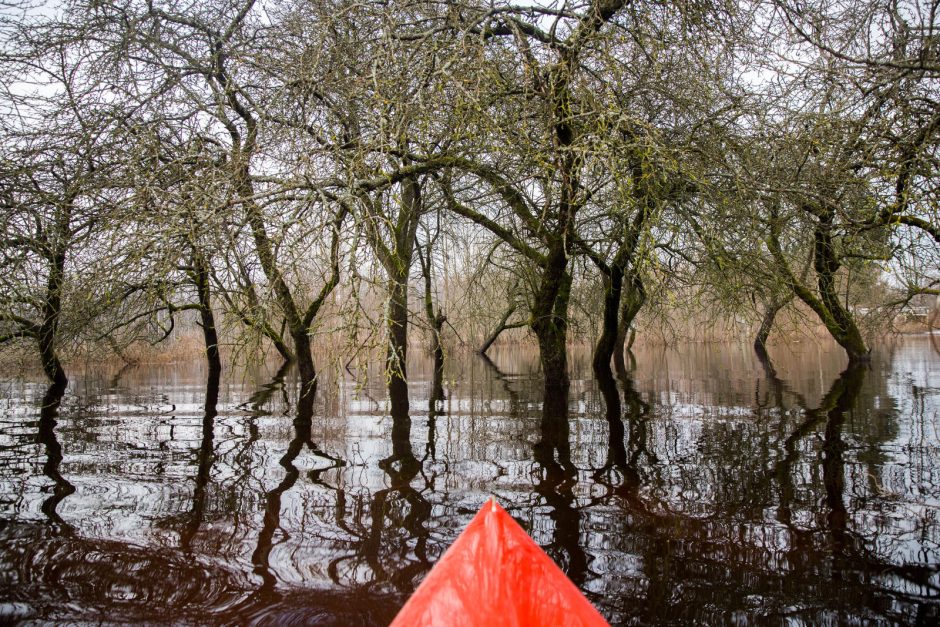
point(289, 289)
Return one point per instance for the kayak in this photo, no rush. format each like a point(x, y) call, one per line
point(495, 574)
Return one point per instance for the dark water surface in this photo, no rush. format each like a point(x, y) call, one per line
point(699, 487)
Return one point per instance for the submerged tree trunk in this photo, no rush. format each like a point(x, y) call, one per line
point(304, 355)
point(401, 424)
point(839, 321)
point(48, 353)
point(623, 287)
point(298, 320)
point(766, 324)
point(552, 339)
point(437, 349)
point(436, 318)
point(396, 359)
point(296, 326)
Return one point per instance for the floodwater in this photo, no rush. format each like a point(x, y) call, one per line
point(701, 486)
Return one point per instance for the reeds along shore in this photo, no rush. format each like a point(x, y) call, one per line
point(186, 343)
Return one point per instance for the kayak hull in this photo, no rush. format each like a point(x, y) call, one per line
point(495, 574)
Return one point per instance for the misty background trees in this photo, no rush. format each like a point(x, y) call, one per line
point(313, 172)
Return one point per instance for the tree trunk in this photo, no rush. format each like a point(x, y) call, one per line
point(498, 329)
point(607, 342)
point(839, 321)
point(632, 294)
point(48, 354)
point(437, 352)
point(295, 325)
point(207, 318)
point(401, 423)
point(436, 320)
point(767, 323)
point(553, 355)
point(396, 359)
point(825, 302)
point(47, 336)
point(397, 263)
point(550, 321)
point(266, 256)
point(305, 366)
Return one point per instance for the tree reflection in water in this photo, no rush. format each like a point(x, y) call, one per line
point(400, 511)
point(635, 412)
point(46, 436)
point(554, 482)
point(554, 475)
point(205, 457)
point(691, 488)
point(271, 522)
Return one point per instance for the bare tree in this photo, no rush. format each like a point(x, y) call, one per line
point(59, 151)
point(852, 169)
point(543, 189)
point(210, 60)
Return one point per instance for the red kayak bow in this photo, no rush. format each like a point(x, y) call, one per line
point(495, 574)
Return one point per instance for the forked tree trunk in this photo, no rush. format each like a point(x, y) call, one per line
point(825, 302)
point(502, 325)
point(837, 318)
point(295, 323)
point(436, 320)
